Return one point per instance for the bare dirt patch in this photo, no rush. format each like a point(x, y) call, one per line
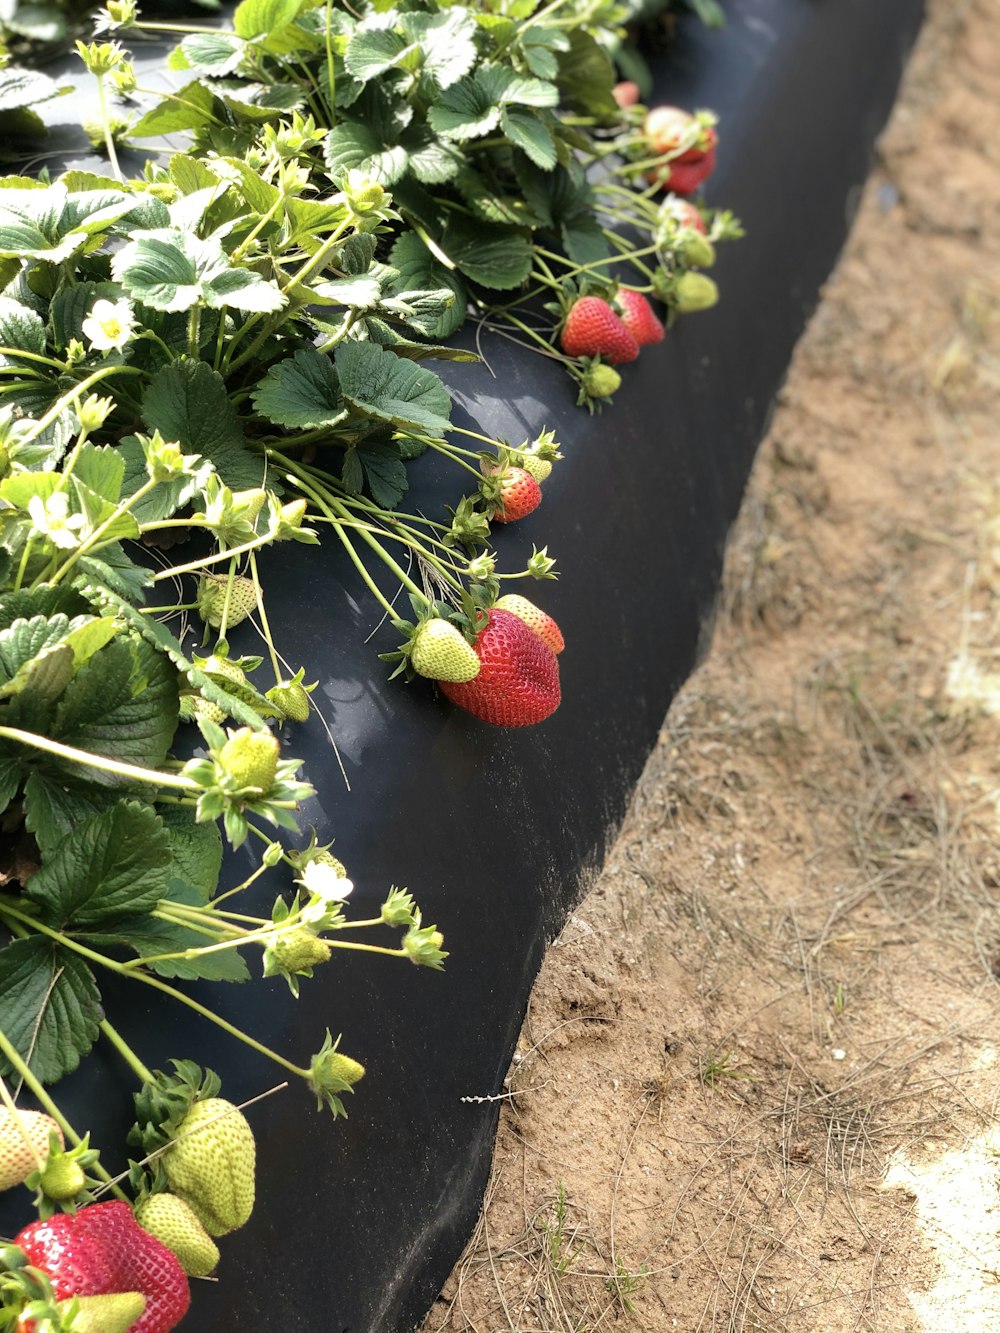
point(757, 1084)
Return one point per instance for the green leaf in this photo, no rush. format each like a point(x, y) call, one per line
point(26, 640)
point(213, 53)
point(172, 269)
point(20, 328)
point(301, 391)
point(190, 108)
point(539, 44)
point(381, 468)
point(381, 385)
point(195, 854)
point(357, 293)
point(51, 223)
point(465, 111)
point(531, 135)
point(375, 47)
point(188, 402)
point(431, 160)
point(386, 336)
point(25, 87)
point(113, 569)
point(165, 498)
point(252, 18)
point(112, 863)
point(55, 804)
point(586, 76)
point(352, 145)
point(71, 306)
point(100, 468)
point(446, 41)
point(121, 704)
point(420, 271)
point(496, 257)
point(50, 1005)
point(45, 600)
point(147, 936)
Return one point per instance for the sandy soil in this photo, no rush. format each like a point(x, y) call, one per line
point(757, 1085)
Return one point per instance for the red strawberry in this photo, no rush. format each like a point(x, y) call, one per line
point(638, 317)
point(593, 329)
point(520, 493)
point(102, 1250)
point(682, 177)
point(518, 681)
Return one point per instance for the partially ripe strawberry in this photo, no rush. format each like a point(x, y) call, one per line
point(24, 1142)
point(176, 1225)
point(520, 494)
point(668, 127)
point(592, 328)
point(540, 468)
point(638, 317)
point(441, 652)
point(685, 214)
point(537, 620)
point(211, 1164)
point(518, 681)
point(626, 93)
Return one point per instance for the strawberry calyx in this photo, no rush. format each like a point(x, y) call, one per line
point(63, 1182)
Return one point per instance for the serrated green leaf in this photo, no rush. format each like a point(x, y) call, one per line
point(190, 108)
point(383, 386)
point(419, 271)
point(20, 328)
point(496, 257)
point(530, 135)
point(375, 47)
point(188, 402)
point(121, 704)
point(25, 87)
point(147, 936)
point(45, 600)
point(174, 270)
point(587, 76)
point(357, 293)
point(382, 333)
point(213, 53)
point(112, 863)
point(195, 854)
point(467, 110)
point(431, 160)
point(350, 145)
point(55, 804)
point(25, 640)
point(446, 41)
point(100, 468)
point(252, 18)
point(376, 467)
point(50, 1006)
point(301, 391)
point(114, 569)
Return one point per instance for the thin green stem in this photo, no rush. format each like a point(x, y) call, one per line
point(126, 1052)
point(145, 775)
point(265, 627)
point(109, 138)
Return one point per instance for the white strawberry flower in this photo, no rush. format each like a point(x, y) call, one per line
point(109, 325)
point(51, 518)
point(324, 882)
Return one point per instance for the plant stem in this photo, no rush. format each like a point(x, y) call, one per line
point(126, 1052)
point(146, 775)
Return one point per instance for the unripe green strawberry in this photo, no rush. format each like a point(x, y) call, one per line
point(540, 468)
point(63, 1179)
point(298, 948)
point(250, 758)
point(601, 381)
point(441, 652)
point(176, 1225)
point(697, 250)
point(194, 706)
point(212, 598)
point(221, 666)
point(339, 1072)
point(537, 620)
point(24, 1142)
point(292, 698)
point(694, 291)
point(115, 1312)
point(326, 858)
point(211, 1164)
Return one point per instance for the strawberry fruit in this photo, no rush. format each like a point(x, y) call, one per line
point(441, 652)
point(24, 1143)
point(518, 681)
point(682, 178)
point(592, 328)
point(537, 620)
point(211, 1164)
point(520, 494)
point(175, 1224)
point(638, 318)
point(102, 1251)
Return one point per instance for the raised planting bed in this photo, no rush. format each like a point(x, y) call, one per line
point(495, 831)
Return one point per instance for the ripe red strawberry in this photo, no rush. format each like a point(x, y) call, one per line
point(638, 317)
point(593, 329)
point(518, 681)
point(520, 493)
point(102, 1250)
point(537, 620)
point(682, 178)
